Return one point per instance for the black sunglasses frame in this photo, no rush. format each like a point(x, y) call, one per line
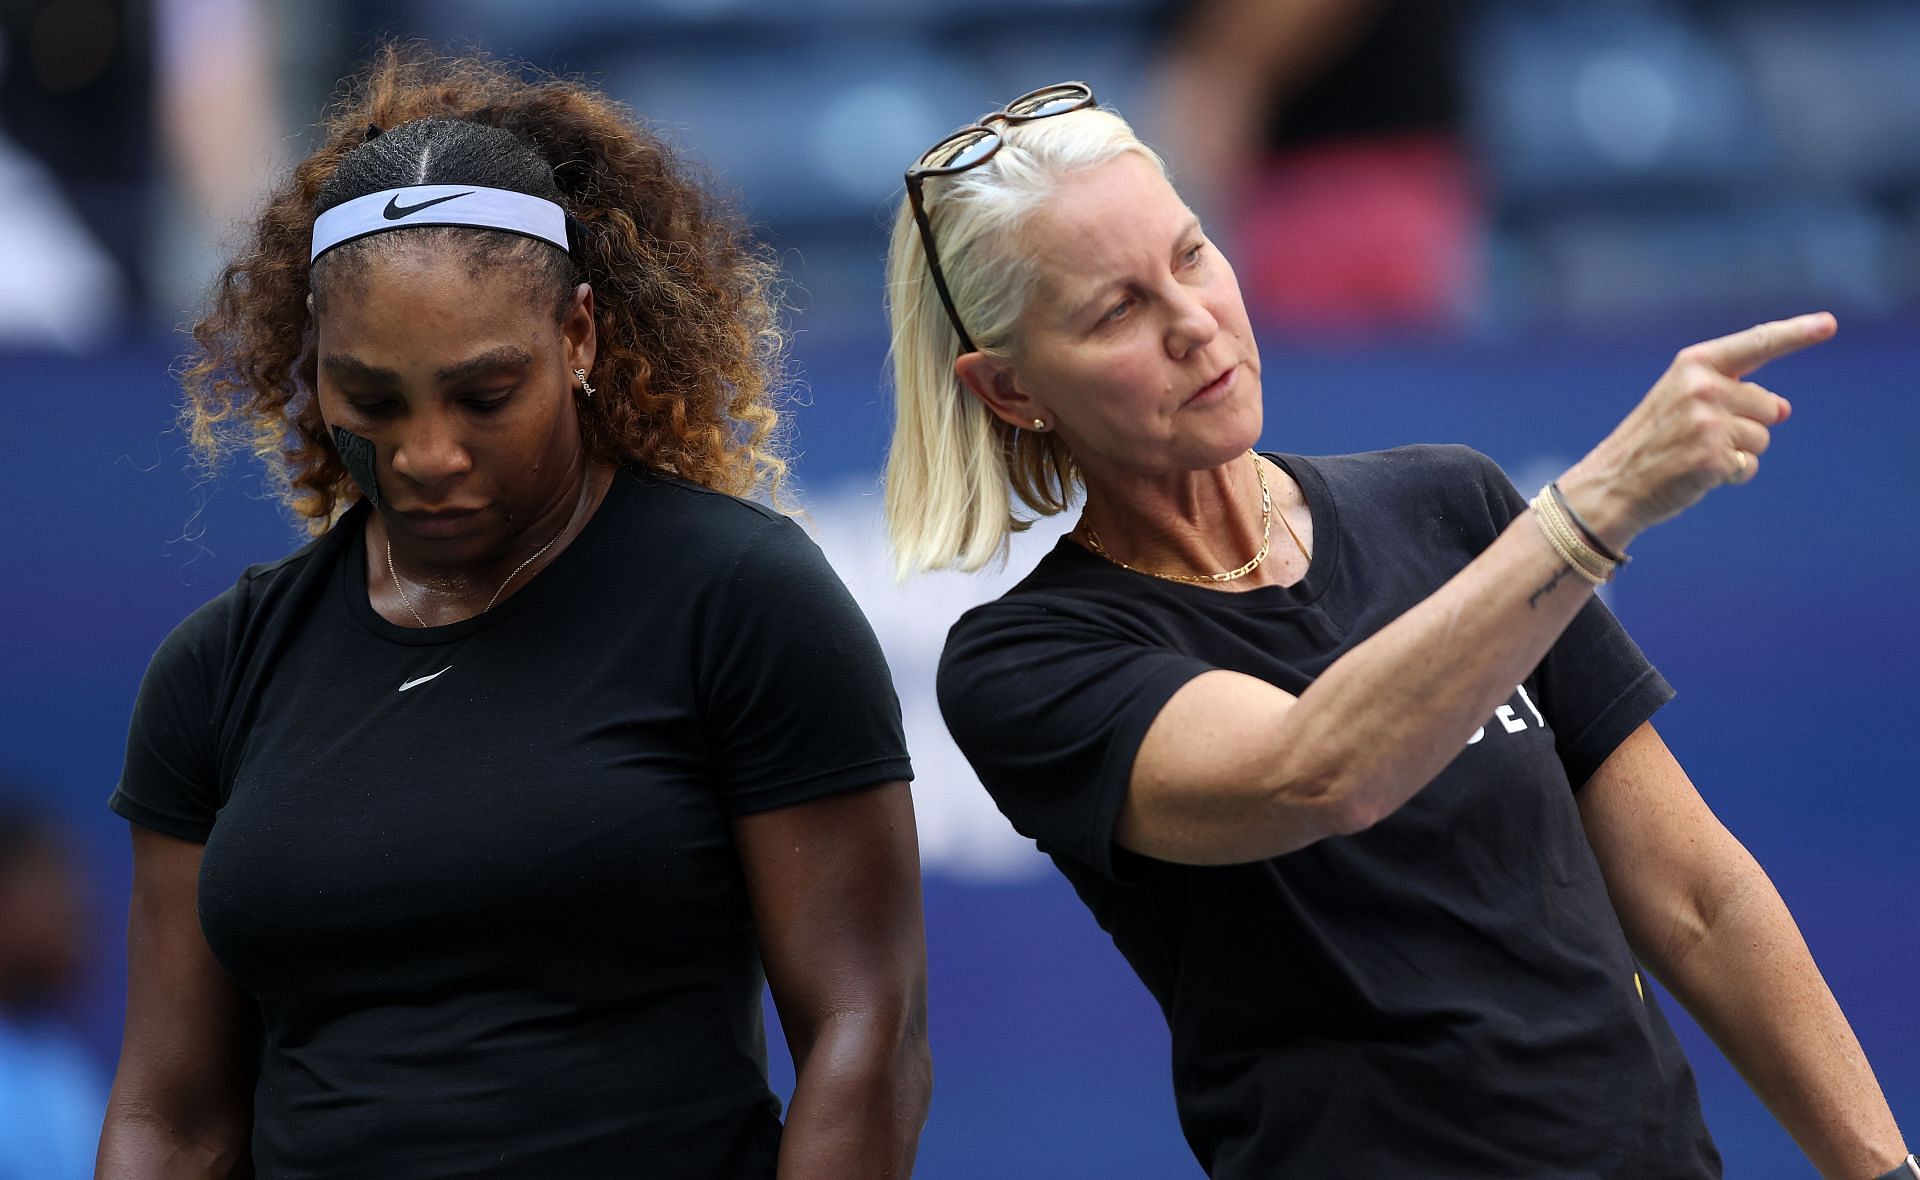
point(1008, 114)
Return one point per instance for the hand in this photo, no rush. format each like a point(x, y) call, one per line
point(1701, 425)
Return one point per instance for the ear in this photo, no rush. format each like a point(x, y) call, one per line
point(992, 381)
point(577, 333)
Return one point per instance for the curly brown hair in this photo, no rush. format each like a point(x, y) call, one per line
point(692, 354)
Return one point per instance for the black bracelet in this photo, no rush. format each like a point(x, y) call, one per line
point(1605, 550)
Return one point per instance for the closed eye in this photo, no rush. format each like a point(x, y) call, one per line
point(490, 401)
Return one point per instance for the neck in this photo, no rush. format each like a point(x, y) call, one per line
point(1196, 522)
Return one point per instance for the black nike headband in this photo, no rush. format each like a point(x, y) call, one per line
point(440, 204)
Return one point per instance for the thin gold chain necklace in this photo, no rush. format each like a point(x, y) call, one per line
point(585, 483)
point(1266, 538)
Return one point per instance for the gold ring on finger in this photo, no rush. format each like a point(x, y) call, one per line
point(1741, 465)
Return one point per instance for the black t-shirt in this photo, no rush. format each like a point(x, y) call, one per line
point(480, 878)
point(1447, 994)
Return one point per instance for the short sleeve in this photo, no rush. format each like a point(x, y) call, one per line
point(795, 692)
point(1594, 686)
point(170, 781)
point(1050, 710)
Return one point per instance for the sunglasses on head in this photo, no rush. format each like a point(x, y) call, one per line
point(972, 146)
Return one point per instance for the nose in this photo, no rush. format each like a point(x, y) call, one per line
point(430, 449)
point(1193, 324)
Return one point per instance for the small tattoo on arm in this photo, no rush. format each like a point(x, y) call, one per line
point(1546, 589)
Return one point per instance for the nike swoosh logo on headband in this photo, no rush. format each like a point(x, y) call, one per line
point(395, 210)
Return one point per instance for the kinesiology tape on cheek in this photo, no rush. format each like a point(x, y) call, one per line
point(358, 454)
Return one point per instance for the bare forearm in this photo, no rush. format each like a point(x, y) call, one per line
point(859, 1102)
point(1745, 974)
point(1389, 715)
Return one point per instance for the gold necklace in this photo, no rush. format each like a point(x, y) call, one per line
point(1266, 537)
point(582, 499)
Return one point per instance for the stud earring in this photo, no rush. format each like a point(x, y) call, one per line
point(580, 375)
point(1039, 423)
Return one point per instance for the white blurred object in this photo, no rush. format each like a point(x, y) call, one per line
point(962, 834)
point(865, 132)
point(1627, 109)
point(58, 286)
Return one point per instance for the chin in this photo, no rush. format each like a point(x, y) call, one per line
point(469, 547)
point(1237, 435)
point(1213, 451)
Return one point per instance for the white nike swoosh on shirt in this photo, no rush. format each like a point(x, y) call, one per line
point(424, 679)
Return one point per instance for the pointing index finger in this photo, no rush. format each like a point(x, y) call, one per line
point(1743, 352)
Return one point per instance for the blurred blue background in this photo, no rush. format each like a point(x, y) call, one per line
point(1595, 186)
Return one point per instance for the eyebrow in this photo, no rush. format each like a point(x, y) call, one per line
point(1088, 304)
point(504, 357)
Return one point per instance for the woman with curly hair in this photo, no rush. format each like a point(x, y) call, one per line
point(465, 836)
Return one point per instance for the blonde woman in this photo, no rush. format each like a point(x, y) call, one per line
point(1342, 752)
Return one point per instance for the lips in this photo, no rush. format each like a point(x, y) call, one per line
point(439, 522)
point(1216, 388)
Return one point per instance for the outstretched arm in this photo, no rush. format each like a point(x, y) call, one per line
point(1703, 916)
point(835, 885)
point(1234, 769)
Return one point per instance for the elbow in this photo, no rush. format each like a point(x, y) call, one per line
point(139, 1138)
point(1349, 821)
point(1326, 800)
point(901, 1093)
point(1351, 812)
point(884, 1056)
point(908, 1063)
point(913, 1068)
point(1716, 911)
point(1321, 784)
point(915, 1071)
